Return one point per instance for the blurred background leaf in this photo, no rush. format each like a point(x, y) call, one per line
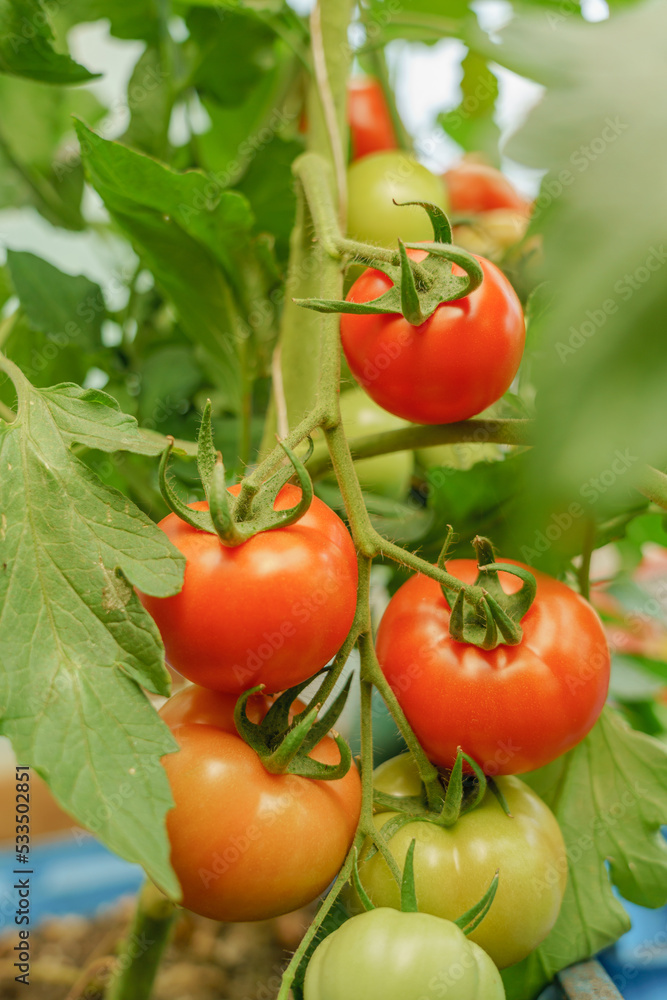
point(602, 210)
point(26, 45)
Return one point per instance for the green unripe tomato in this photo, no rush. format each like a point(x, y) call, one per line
point(388, 955)
point(374, 182)
point(454, 866)
point(388, 475)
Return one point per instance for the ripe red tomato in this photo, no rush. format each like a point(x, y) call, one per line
point(271, 611)
point(513, 708)
point(458, 362)
point(246, 844)
point(477, 187)
point(371, 127)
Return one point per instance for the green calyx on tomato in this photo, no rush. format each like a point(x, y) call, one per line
point(467, 922)
point(454, 866)
point(232, 829)
point(235, 519)
point(484, 614)
point(423, 941)
point(461, 793)
point(456, 364)
point(416, 295)
point(283, 741)
point(513, 708)
point(272, 611)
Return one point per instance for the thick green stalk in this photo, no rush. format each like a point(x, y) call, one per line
point(653, 485)
point(311, 271)
point(143, 946)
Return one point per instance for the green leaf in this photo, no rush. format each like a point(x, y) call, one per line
point(39, 161)
point(197, 240)
point(419, 21)
point(26, 45)
point(71, 307)
point(609, 796)
point(231, 49)
point(75, 642)
point(601, 375)
point(140, 19)
point(149, 101)
point(274, 6)
point(268, 185)
point(236, 134)
point(471, 124)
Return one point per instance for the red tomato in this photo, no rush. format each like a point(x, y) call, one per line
point(246, 844)
point(477, 187)
point(461, 360)
point(271, 611)
point(513, 708)
point(371, 127)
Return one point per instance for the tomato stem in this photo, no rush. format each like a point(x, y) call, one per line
point(325, 906)
point(313, 173)
point(584, 570)
point(371, 672)
point(512, 432)
point(137, 967)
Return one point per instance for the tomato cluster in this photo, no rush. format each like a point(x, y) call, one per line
point(251, 840)
point(271, 611)
point(464, 356)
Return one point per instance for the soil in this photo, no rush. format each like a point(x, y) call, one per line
point(72, 957)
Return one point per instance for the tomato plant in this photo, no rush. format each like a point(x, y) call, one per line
point(458, 362)
point(170, 341)
point(371, 127)
point(232, 829)
point(374, 183)
point(454, 865)
point(271, 611)
point(513, 708)
point(386, 955)
point(478, 187)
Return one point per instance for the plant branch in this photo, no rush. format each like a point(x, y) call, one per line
point(329, 111)
point(313, 172)
point(372, 672)
point(584, 570)
point(143, 946)
point(511, 432)
point(325, 906)
point(653, 485)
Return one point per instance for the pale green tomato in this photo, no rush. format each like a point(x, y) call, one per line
point(388, 475)
point(374, 182)
point(388, 955)
point(454, 866)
